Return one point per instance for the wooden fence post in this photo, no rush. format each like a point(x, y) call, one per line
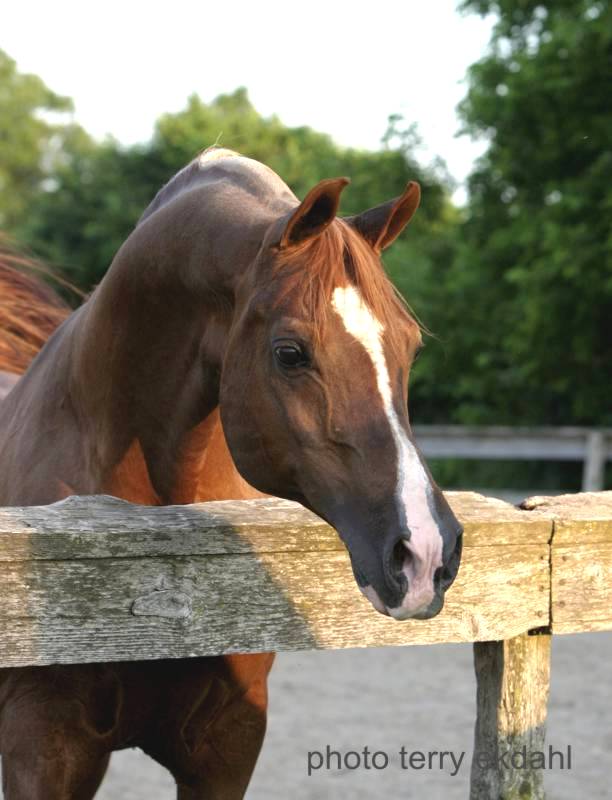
point(513, 679)
point(593, 474)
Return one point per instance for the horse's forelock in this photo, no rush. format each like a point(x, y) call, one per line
point(339, 256)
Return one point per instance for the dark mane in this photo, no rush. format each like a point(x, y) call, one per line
point(340, 256)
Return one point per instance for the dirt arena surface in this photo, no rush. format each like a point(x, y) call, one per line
point(420, 697)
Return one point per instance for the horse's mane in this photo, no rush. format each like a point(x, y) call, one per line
point(29, 310)
point(337, 257)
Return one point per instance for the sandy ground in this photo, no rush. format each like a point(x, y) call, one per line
point(420, 697)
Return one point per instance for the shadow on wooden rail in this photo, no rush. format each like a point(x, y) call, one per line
point(97, 579)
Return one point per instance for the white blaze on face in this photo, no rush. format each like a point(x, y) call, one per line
point(413, 487)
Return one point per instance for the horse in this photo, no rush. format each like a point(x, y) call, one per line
point(242, 343)
point(30, 311)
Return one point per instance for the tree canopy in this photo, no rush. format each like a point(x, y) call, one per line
point(99, 191)
point(29, 140)
point(534, 266)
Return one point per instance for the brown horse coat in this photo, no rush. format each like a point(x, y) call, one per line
point(233, 318)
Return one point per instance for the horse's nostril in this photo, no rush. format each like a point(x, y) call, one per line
point(438, 577)
point(399, 556)
point(446, 574)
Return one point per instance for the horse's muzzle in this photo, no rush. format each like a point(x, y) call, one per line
point(415, 584)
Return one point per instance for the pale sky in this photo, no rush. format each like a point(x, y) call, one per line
point(339, 67)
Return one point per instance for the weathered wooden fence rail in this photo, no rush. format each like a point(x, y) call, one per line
point(98, 579)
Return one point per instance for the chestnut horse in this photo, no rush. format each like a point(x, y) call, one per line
point(242, 342)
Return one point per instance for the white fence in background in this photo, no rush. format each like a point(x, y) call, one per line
point(591, 446)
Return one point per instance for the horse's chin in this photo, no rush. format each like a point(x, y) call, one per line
point(402, 613)
point(429, 612)
point(372, 596)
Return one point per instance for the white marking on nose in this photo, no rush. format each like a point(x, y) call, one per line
point(413, 488)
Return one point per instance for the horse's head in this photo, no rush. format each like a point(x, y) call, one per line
point(314, 397)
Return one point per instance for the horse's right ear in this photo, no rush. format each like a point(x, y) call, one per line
point(380, 226)
point(316, 211)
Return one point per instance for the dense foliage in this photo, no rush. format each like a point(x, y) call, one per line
point(535, 264)
point(99, 191)
point(30, 141)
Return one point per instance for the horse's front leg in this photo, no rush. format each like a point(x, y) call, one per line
point(215, 722)
point(56, 728)
point(76, 774)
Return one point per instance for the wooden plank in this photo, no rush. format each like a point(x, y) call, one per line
point(593, 474)
point(505, 442)
point(93, 579)
point(579, 519)
point(513, 680)
point(102, 527)
point(116, 609)
point(491, 521)
point(581, 560)
point(507, 431)
point(582, 588)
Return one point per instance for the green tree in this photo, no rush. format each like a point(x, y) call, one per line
point(30, 143)
point(531, 287)
point(99, 191)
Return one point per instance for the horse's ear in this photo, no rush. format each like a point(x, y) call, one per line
point(316, 211)
point(381, 225)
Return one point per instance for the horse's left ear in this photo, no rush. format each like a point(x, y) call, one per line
point(316, 211)
point(381, 225)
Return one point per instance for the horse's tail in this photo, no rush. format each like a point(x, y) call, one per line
point(29, 310)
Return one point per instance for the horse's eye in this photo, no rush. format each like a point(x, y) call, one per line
point(290, 355)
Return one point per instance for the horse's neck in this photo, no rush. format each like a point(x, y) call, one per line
point(203, 470)
point(7, 381)
point(148, 356)
point(123, 397)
